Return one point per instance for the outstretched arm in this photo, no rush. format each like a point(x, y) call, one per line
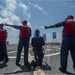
point(14, 26)
point(2, 24)
point(52, 26)
point(9, 25)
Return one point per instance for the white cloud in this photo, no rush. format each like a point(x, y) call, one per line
point(29, 24)
point(11, 5)
point(38, 7)
point(10, 17)
point(1, 20)
point(25, 9)
point(15, 18)
point(23, 6)
point(5, 13)
point(8, 12)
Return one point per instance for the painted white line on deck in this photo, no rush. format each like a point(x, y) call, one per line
point(52, 54)
point(12, 52)
point(33, 56)
point(15, 51)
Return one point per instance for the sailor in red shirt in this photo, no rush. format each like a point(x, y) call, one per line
point(24, 37)
point(3, 48)
point(68, 41)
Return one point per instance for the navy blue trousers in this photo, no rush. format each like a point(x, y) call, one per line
point(38, 54)
point(22, 43)
point(68, 44)
point(3, 51)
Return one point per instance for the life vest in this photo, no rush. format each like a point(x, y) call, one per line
point(25, 32)
point(3, 35)
point(69, 28)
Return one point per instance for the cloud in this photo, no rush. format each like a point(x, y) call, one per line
point(8, 12)
point(11, 5)
point(10, 17)
point(1, 20)
point(23, 6)
point(38, 7)
point(30, 25)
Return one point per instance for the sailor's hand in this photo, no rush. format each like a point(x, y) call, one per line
point(45, 26)
point(6, 24)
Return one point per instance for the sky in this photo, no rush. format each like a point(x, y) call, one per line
point(38, 13)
